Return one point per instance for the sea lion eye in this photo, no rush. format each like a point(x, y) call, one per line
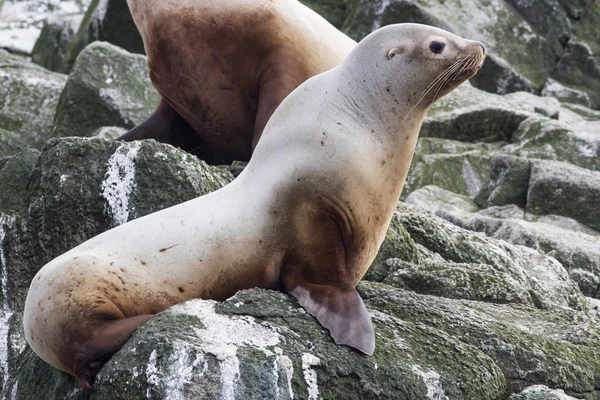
point(437, 47)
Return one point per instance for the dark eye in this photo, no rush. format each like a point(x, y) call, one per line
point(437, 47)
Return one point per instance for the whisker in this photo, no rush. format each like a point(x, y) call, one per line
point(441, 77)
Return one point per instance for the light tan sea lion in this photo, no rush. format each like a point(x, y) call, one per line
point(223, 67)
point(307, 215)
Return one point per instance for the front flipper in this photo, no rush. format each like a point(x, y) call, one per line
point(340, 310)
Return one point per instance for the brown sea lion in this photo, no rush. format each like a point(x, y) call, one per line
point(223, 67)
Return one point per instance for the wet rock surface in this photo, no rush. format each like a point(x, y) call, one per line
point(483, 288)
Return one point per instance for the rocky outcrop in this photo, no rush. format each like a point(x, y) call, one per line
point(28, 99)
point(53, 43)
point(483, 287)
point(107, 86)
point(107, 21)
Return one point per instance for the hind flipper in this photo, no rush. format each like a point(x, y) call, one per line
point(106, 340)
point(339, 309)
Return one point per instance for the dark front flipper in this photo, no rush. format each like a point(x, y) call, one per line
point(340, 310)
point(106, 339)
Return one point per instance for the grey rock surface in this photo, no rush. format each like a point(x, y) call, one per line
point(29, 96)
point(107, 86)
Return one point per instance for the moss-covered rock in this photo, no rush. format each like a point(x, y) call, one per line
point(522, 57)
point(457, 281)
point(260, 344)
point(105, 20)
point(563, 189)
point(545, 279)
point(464, 170)
point(548, 139)
point(14, 177)
point(55, 38)
point(29, 96)
point(107, 86)
point(469, 114)
point(574, 245)
point(541, 392)
point(579, 66)
point(508, 183)
point(556, 347)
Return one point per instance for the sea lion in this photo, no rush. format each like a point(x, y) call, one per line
point(223, 67)
point(307, 215)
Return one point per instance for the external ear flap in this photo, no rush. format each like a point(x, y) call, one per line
point(393, 51)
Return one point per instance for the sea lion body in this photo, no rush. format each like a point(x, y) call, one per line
point(223, 67)
point(307, 215)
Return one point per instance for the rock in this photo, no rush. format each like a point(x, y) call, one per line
point(564, 93)
point(79, 188)
point(563, 189)
point(574, 245)
point(109, 21)
point(21, 21)
point(54, 40)
point(14, 176)
point(579, 66)
point(543, 138)
point(29, 96)
point(107, 86)
point(519, 56)
point(334, 11)
point(260, 344)
point(456, 166)
point(497, 76)
point(469, 281)
point(557, 347)
point(508, 183)
point(548, 17)
point(469, 114)
point(545, 278)
point(541, 392)
point(109, 132)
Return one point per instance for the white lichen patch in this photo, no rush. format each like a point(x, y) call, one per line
point(119, 182)
point(230, 374)
point(223, 335)
point(5, 311)
point(310, 375)
point(557, 394)
point(288, 367)
point(152, 376)
point(181, 365)
point(432, 380)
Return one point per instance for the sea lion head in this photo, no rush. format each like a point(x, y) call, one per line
point(414, 65)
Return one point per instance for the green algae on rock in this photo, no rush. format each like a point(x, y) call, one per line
point(29, 96)
point(107, 86)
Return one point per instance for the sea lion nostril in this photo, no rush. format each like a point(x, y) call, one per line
point(482, 47)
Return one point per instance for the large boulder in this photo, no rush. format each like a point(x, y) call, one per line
point(579, 66)
point(77, 189)
point(574, 245)
point(519, 57)
point(108, 21)
point(29, 96)
point(470, 114)
point(563, 189)
point(55, 38)
point(573, 142)
point(107, 86)
point(454, 165)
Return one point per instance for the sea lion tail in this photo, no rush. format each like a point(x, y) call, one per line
point(340, 310)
